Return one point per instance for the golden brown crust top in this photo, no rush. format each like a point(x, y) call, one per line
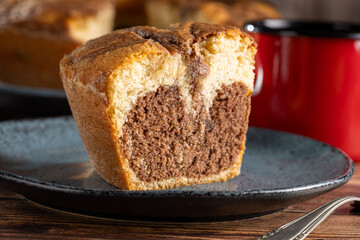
point(46, 15)
point(93, 62)
point(98, 58)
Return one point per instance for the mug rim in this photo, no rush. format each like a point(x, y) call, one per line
point(297, 28)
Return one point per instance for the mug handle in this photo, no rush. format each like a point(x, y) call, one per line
point(259, 80)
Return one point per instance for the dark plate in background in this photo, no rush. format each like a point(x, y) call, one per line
point(19, 102)
point(45, 161)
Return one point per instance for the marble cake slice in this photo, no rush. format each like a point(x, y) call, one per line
point(158, 109)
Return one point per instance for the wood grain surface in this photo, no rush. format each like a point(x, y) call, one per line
point(22, 219)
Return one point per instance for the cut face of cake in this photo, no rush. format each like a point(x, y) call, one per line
point(158, 109)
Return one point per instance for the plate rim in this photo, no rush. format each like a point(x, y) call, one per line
point(29, 91)
point(338, 181)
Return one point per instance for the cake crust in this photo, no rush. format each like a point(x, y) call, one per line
point(47, 16)
point(88, 76)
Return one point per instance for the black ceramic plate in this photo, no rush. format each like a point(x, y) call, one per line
point(45, 161)
point(31, 91)
point(18, 101)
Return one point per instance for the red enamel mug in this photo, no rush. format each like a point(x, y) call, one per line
point(308, 80)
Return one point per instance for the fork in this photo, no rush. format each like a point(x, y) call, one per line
point(299, 228)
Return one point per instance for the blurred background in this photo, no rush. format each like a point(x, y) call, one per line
point(325, 10)
point(18, 101)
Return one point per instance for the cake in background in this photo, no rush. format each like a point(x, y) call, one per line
point(158, 109)
point(162, 13)
point(130, 13)
point(35, 35)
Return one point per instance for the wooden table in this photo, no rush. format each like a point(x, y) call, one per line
point(22, 219)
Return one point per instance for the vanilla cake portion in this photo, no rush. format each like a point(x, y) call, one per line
point(158, 109)
point(36, 34)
